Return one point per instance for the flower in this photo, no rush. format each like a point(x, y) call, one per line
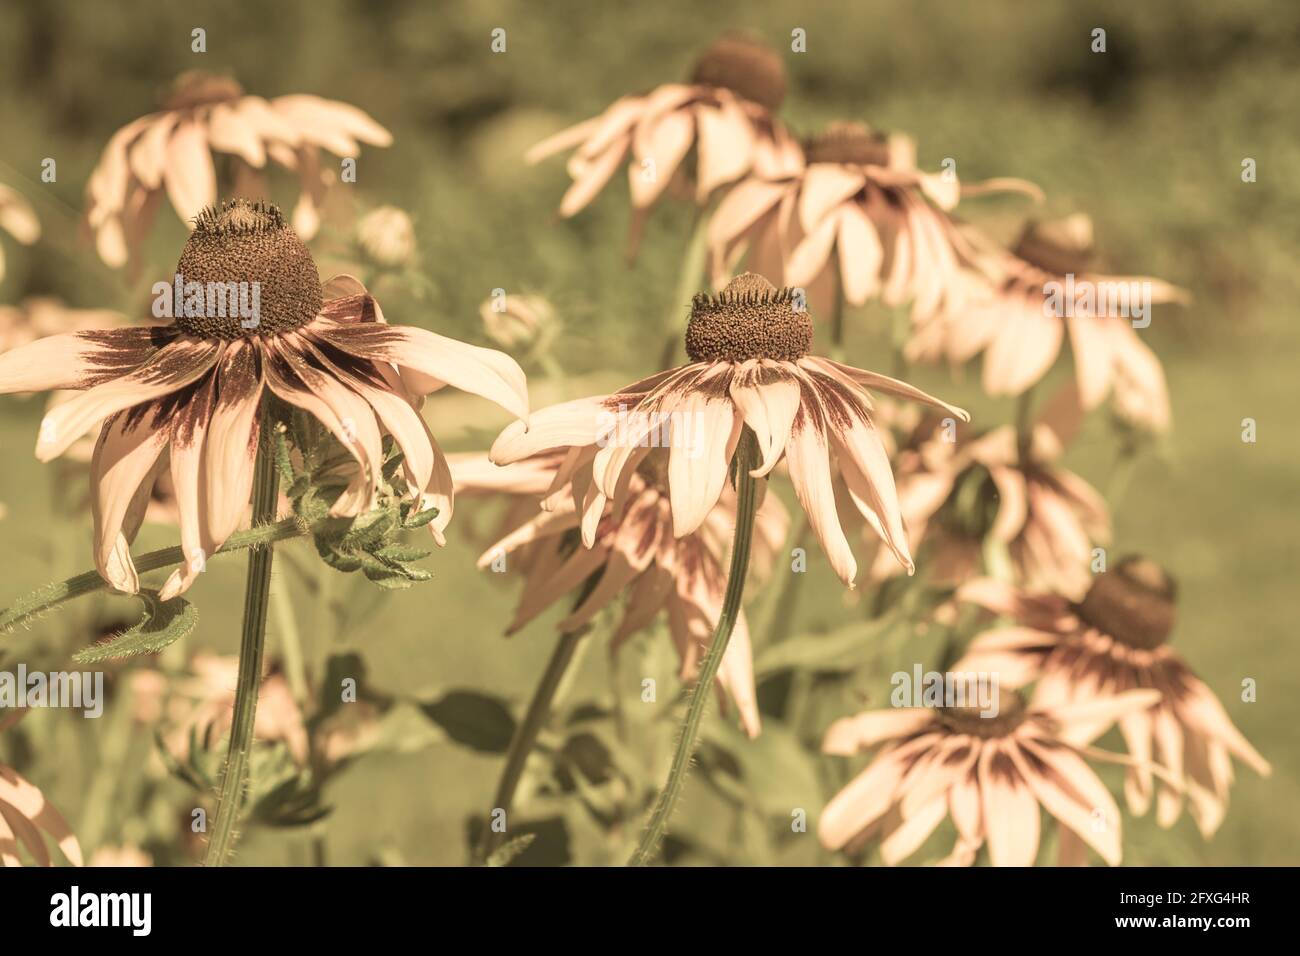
point(1023, 304)
point(633, 554)
point(18, 219)
point(955, 489)
point(170, 150)
point(726, 113)
point(27, 818)
point(195, 387)
point(857, 195)
point(387, 237)
point(989, 773)
point(1114, 640)
point(518, 321)
point(750, 366)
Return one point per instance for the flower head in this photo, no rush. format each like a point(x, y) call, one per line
point(195, 388)
point(855, 219)
point(956, 489)
point(991, 772)
point(750, 366)
point(1021, 305)
point(518, 321)
point(1114, 640)
point(171, 150)
point(726, 112)
point(387, 237)
point(634, 556)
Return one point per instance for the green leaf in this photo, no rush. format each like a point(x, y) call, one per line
point(163, 623)
point(479, 721)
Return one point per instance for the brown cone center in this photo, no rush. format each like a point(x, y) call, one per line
point(849, 144)
point(197, 88)
point(1061, 248)
point(1133, 603)
point(750, 69)
point(244, 272)
point(971, 718)
point(749, 319)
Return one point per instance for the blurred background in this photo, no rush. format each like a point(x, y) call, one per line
point(1149, 138)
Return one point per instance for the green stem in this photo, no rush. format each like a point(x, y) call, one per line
point(746, 504)
point(837, 308)
point(1025, 424)
point(525, 735)
point(88, 582)
point(266, 487)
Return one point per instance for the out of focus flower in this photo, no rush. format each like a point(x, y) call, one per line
point(195, 388)
point(519, 322)
point(726, 113)
point(117, 856)
point(631, 553)
point(991, 774)
point(1021, 305)
point(386, 237)
point(1114, 640)
point(204, 702)
point(750, 367)
point(855, 220)
point(956, 489)
point(39, 316)
point(18, 219)
point(27, 818)
point(171, 151)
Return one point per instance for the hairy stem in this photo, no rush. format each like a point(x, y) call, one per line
point(266, 487)
point(746, 504)
point(52, 595)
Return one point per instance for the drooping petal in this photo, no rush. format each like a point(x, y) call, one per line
point(808, 455)
point(768, 400)
point(230, 446)
point(125, 455)
point(169, 369)
point(1010, 809)
point(77, 360)
point(486, 372)
point(704, 434)
point(189, 175)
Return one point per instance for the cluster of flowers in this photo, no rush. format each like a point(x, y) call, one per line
point(838, 219)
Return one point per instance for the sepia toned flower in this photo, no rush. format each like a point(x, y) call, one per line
point(1021, 305)
point(634, 556)
point(855, 220)
point(172, 151)
point(957, 488)
point(194, 389)
point(725, 116)
point(18, 219)
point(991, 773)
point(750, 366)
point(1114, 640)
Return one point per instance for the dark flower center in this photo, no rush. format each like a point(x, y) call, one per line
point(1061, 247)
point(197, 88)
point(245, 273)
point(848, 143)
point(971, 719)
point(750, 318)
point(749, 68)
point(1133, 603)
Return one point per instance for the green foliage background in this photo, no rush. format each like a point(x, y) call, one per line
point(1149, 138)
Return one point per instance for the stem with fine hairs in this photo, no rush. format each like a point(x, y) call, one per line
point(266, 488)
point(746, 459)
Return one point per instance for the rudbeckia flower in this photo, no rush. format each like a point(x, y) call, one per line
point(855, 220)
point(195, 388)
point(726, 113)
point(171, 151)
point(991, 772)
point(1021, 305)
point(1114, 640)
point(750, 366)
